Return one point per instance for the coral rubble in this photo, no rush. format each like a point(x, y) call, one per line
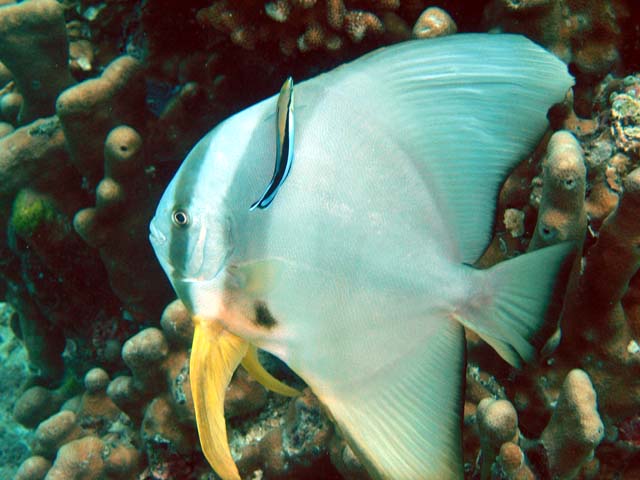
point(99, 103)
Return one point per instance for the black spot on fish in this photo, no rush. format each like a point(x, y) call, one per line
point(263, 316)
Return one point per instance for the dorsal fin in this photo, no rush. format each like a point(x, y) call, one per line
point(467, 107)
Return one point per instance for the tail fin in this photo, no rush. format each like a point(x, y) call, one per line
point(519, 293)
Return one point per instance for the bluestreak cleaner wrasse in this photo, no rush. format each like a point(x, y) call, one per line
point(284, 145)
point(358, 276)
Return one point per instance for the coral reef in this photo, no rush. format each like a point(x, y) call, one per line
point(563, 449)
point(589, 35)
point(589, 195)
point(99, 103)
point(144, 424)
point(14, 370)
point(296, 26)
point(562, 215)
point(434, 22)
point(33, 47)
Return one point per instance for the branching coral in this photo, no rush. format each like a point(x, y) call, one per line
point(48, 271)
point(303, 26)
point(434, 22)
point(588, 35)
point(598, 318)
point(562, 215)
point(575, 429)
point(585, 33)
point(121, 214)
point(100, 104)
point(564, 447)
point(598, 331)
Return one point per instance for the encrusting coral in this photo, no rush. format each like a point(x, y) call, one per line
point(99, 104)
point(33, 468)
point(30, 152)
point(88, 438)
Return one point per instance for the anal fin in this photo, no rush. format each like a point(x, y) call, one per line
point(405, 423)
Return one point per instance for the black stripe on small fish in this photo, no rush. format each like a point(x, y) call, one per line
point(284, 145)
point(263, 315)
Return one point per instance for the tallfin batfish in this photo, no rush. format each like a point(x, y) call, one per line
point(284, 145)
point(358, 277)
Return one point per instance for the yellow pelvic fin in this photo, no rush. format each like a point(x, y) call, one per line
point(252, 364)
point(215, 355)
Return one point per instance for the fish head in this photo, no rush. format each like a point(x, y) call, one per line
point(202, 223)
point(192, 231)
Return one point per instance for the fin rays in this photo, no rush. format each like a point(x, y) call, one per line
point(491, 90)
point(405, 423)
point(215, 355)
point(252, 364)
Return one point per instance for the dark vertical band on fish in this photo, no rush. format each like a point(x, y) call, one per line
point(178, 243)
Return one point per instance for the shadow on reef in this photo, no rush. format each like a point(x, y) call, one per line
point(99, 104)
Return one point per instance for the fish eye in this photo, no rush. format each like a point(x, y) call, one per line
point(180, 218)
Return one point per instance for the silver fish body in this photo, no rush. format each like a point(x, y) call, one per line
point(357, 276)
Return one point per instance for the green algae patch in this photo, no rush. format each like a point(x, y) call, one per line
point(30, 211)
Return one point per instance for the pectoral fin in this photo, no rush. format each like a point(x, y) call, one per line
point(259, 277)
point(215, 355)
point(252, 364)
